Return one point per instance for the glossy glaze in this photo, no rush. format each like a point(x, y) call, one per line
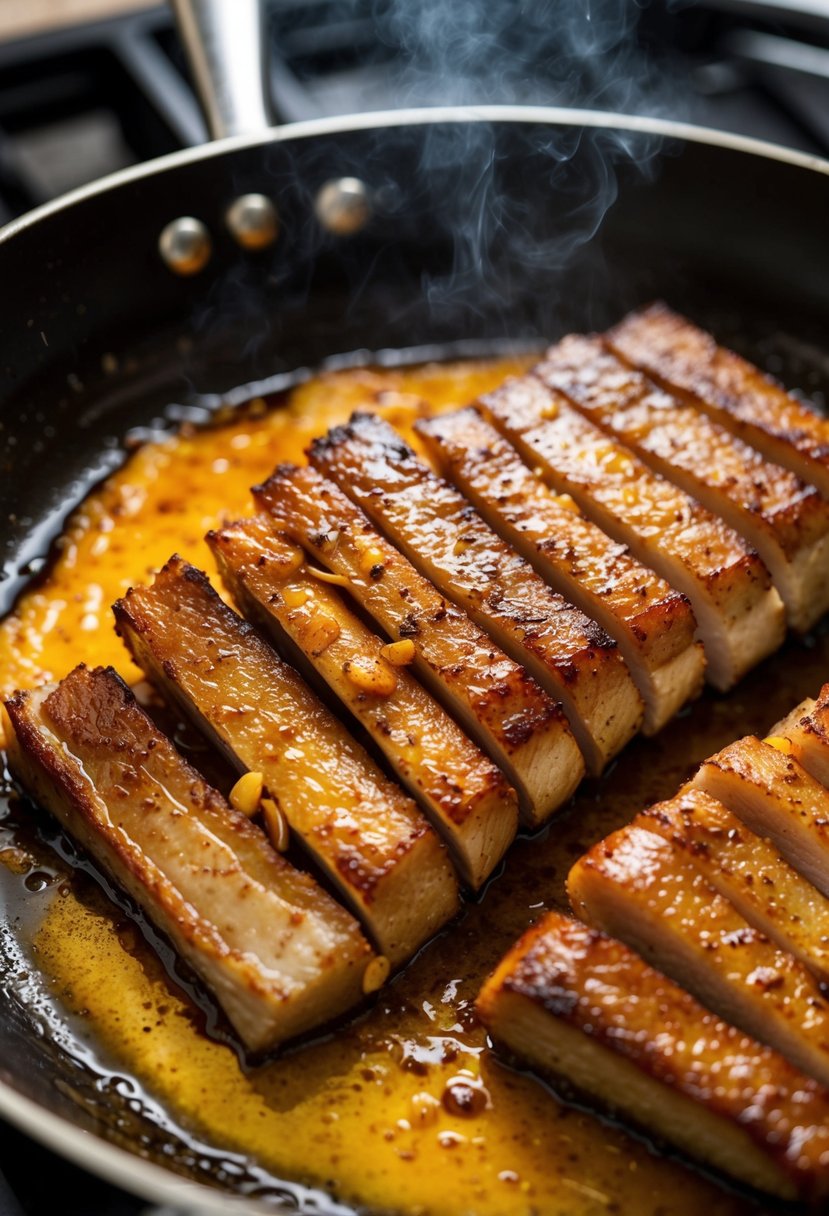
point(749, 871)
point(688, 360)
point(739, 615)
point(493, 696)
point(361, 828)
point(276, 950)
point(579, 977)
point(434, 525)
point(635, 887)
point(653, 624)
point(784, 519)
point(381, 1114)
point(465, 795)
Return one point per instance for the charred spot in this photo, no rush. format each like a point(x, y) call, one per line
point(519, 730)
point(324, 445)
point(377, 571)
point(283, 471)
point(409, 626)
point(193, 575)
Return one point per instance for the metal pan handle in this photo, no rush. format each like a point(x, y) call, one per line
point(224, 41)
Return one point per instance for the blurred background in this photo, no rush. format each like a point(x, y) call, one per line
point(90, 86)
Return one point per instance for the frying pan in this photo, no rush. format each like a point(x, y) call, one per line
point(477, 228)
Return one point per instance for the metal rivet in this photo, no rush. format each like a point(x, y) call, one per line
point(185, 245)
point(253, 221)
point(343, 206)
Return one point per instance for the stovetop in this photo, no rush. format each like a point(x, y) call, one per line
point(84, 101)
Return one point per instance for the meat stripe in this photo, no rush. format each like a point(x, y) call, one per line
point(277, 952)
point(776, 797)
point(739, 614)
point(366, 835)
point(749, 871)
point(438, 530)
point(785, 520)
point(635, 886)
point(653, 624)
point(686, 360)
point(574, 1004)
point(464, 794)
point(491, 695)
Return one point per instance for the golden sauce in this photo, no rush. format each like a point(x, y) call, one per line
point(169, 494)
point(405, 1109)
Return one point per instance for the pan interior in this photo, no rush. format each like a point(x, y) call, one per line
point(659, 238)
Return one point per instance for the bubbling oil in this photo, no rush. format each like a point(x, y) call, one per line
point(406, 1108)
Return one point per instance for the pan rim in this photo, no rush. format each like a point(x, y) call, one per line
point(115, 1165)
point(87, 1149)
point(434, 115)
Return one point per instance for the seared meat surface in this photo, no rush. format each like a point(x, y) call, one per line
point(652, 624)
point(636, 886)
point(438, 530)
point(382, 856)
point(492, 696)
point(583, 1008)
point(785, 520)
point(774, 796)
point(465, 795)
point(277, 952)
point(739, 614)
point(749, 871)
point(687, 360)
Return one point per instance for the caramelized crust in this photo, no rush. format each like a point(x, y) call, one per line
point(359, 827)
point(775, 797)
point(786, 521)
point(438, 530)
point(575, 1004)
point(652, 624)
point(739, 614)
point(279, 955)
point(688, 361)
point(464, 794)
point(495, 700)
point(636, 886)
point(807, 731)
point(747, 870)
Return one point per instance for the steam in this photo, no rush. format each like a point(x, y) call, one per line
point(506, 219)
point(586, 53)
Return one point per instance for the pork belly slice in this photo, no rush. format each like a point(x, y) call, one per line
point(652, 624)
point(804, 735)
point(464, 794)
point(280, 956)
point(775, 797)
point(636, 886)
point(687, 360)
point(575, 1004)
point(739, 614)
point(493, 698)
point(786, 521)
point(370, 839)
point(749, 871)
point(441, 533)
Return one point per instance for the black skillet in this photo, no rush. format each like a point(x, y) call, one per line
point(411, 232)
